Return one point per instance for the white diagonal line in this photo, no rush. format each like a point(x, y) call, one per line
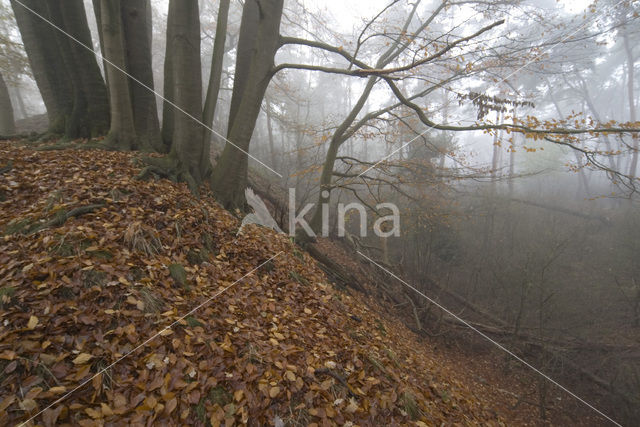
point(150, 339)
point(99, 56)
point(492, 341)
point(394, 152)
point(535, 58)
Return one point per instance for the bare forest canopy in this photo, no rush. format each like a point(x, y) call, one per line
point(503, 135)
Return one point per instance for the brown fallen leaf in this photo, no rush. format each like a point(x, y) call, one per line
point(82, 358)
point(171, 405)
point(33, 322)
point(274, 391)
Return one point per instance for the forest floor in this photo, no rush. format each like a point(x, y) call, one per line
point(133, 302)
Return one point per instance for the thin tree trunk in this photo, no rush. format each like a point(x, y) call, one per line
point(596, 115)
point(272, 150)
point(215, 75)
point(136, 18)
point(330, 158)
point(247, 43)
point(98, 15)
point(257, 46)
point(7, 123)
point(632, 105)
point(122, 134)
point(512, 163)
point(338, 138)
point(20, 101)
point(496, 152)
point(168, 110)
point(583, 176)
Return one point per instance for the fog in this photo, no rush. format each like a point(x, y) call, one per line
point(537, 233)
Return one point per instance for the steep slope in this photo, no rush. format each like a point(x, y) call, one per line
point(125, 301)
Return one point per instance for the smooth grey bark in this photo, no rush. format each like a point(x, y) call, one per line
point(244, 55)
point(168, 113)
point(46, 63)
point(258, 43)
point(75, 118)
point(122, 134)
point(98, 15)
point(187, 139)
point(136, 18)
point(272, 150)
point(67, 75)
point(89, 115)
point(215, 75)
point(7, 122)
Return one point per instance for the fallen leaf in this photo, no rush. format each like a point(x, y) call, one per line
point(33, 322)
point(274, 391)
point(82, 358)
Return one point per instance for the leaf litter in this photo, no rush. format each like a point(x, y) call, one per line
point(79, 292)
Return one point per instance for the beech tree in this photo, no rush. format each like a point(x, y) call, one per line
point(122, 134)
point(66, 73)
point(14, 66)
point(187, 141)
point(405, 55)
point(215, 75)
point(125, 37)
point(7, 123)
point(182, 134)
point(258, 43)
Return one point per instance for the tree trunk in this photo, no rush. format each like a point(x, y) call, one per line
point(122, 134)
point(257, 46)
point(496, 152)
point(7, 123)
point(47, 65)
point(215, 75)
point(587, 98)
point(136, 19)
point(90, 114)
point(330, 159)
point(75, 118)
point(272, 149)
point(168, 113)
point(584, 182)
point(67, 74)
point(342, 133)
point(187, 142)
point(98, 15)
point(632, 105)
point(17, 93)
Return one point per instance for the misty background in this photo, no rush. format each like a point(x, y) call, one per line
point(538, 236)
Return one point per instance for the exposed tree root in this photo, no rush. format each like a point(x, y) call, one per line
point(170, 168)
point(6, 168)
point(26, 226)
point(62, 216)
point(45, 137)
point(338, 377)
point(69, 145)
point(17, 136)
